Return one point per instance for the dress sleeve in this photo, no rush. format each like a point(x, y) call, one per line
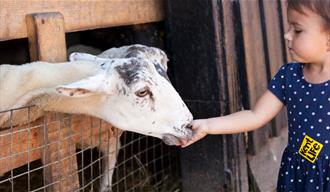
point(277, 84)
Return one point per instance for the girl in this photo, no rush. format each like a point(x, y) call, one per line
point(304, 88)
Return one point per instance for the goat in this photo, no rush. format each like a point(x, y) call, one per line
point(126, 87)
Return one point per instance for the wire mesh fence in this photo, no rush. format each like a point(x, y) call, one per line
point(58, 151)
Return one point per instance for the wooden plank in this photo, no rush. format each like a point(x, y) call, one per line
point(255, 66)
point(236, 149)
point(18, 147)
point(285, 26)
point(79, 14)
point(275, 53)
point(204, 58)
point(47, 43)
point(194, 62)
point(46, 37)
point(274, 37)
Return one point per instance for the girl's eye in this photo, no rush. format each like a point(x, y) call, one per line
point(142, 92)
point(297, 31)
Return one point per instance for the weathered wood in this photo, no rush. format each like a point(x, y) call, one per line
point(47, 43)
point(275, 53)
point(79, 14)
point(285, 27)
point(236, 147)
point(26, 140)
point(204, 74)
point(18, 147)
point(192, 45)
point(46, 36)
point(255, 67)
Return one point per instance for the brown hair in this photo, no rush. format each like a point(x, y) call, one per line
point(319, 7)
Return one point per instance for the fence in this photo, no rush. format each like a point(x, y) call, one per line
point(143, 163)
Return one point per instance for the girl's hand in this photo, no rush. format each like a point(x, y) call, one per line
point(200, 130)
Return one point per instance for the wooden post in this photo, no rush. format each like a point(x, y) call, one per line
point(275, 53)
point(46, 36)
point(255, 59)
point(201, 38)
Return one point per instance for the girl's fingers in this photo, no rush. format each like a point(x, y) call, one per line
point(190, 142)
point(184, 143)
point(195, 138)
point(195, 125)
point(198, 133)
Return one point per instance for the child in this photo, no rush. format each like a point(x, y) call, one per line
point(304, 88)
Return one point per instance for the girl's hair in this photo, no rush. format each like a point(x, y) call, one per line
point(319, 7)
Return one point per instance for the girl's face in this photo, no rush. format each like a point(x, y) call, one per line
point(307, 38)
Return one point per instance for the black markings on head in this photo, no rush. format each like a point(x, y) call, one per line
point(150, 53)
point(122, 90)
point(102, 65)
point(132, 71)
point(136, 51)
point(161, 71)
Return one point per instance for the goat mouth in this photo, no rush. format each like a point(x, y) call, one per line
point(171, 140)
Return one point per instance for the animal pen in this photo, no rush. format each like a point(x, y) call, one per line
point(219, 51)
point(59, 152)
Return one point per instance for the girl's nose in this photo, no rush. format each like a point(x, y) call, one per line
point(288, 36)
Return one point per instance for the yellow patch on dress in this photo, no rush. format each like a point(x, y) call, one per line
point(310, 149)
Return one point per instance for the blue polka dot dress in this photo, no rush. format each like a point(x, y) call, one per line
point(305, 162)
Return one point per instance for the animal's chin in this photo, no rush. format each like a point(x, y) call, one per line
point(171, 140)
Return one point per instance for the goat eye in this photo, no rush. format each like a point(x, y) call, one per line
point(142, 92)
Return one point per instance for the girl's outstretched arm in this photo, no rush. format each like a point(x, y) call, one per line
point(266, 109)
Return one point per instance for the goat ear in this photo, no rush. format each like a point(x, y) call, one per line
point(161, 70)
point(85, 87)
point(76, 56)
point(163, 59)
point(102, 62)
